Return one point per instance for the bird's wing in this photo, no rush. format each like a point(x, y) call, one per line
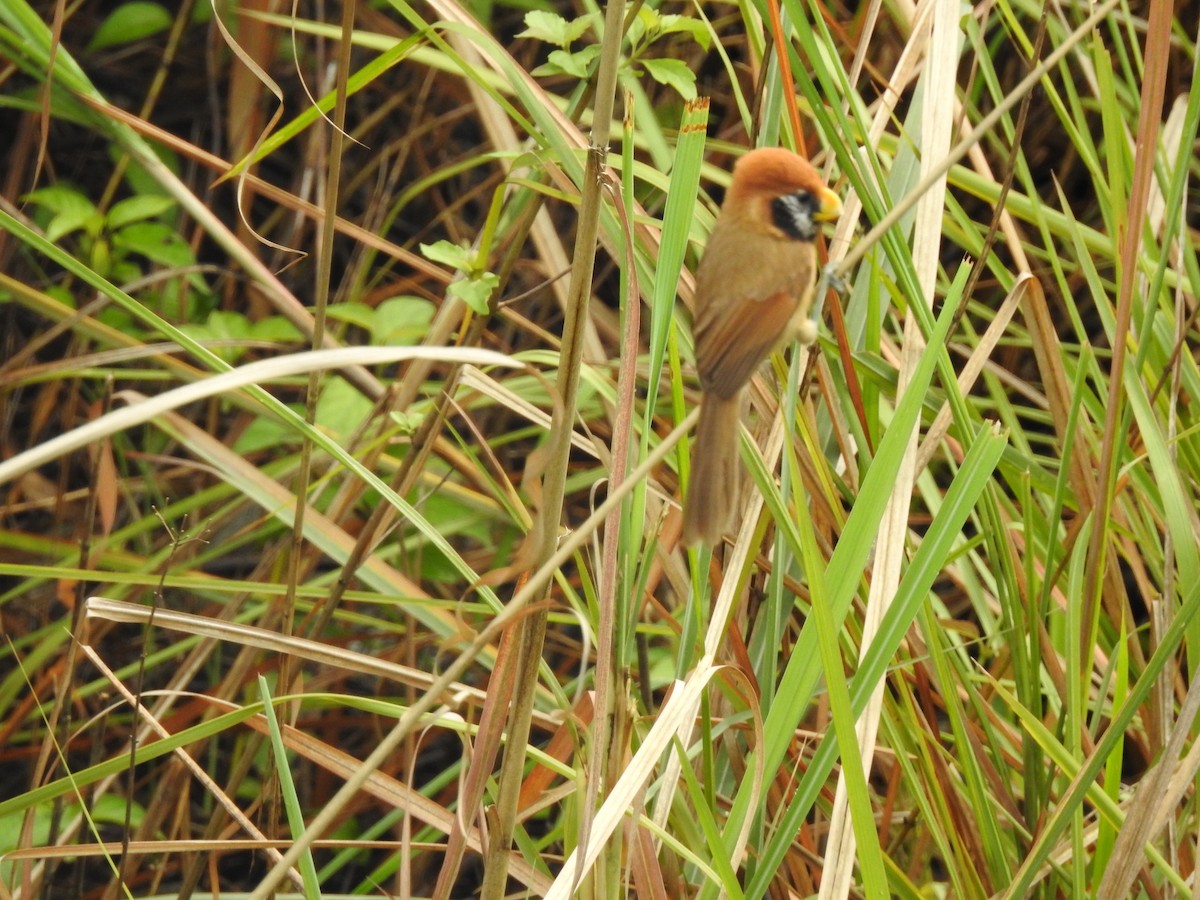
point(734, 341)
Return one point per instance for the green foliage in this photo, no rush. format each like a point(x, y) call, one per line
point(649, 26)
point(550, 27)
point(124, 245)
point(477, 287)
point(396, 320)
point(229, 334)
point(130, 22)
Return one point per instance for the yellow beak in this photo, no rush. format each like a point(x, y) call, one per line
point(831, 206)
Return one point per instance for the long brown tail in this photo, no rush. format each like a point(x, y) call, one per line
point(713, 489)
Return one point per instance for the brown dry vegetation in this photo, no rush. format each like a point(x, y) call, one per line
point(1032, 688)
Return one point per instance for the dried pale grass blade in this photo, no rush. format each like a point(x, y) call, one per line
point(735, 562)
point(1155, 799)
point(758, 780)
point(937, 121)
point(903, 72)
point(676, 716)
point(145, 848)
point(562, 746)
point(975, 363)
point(648, 877)
point(273, 642)
point(478, 380)
point(480, 763)
point(985, 126)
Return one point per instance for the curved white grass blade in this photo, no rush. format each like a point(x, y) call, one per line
point(243, 376)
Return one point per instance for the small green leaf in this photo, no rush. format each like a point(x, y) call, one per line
point(137, 209)
point(73, 220)
point(62, 295)
point(155, 241)
point(402, 321)
point(651, 22)
point(562, 62)
point(228, 326)
point(275, 328)
point(220, 326)
point(130, 22)
point(124, 271)
point(353, 313)
point(673, 24)
point(100, 258)
point(448, 254)
point(407, 422)
point(341, 408)
point(552, 28)
point(59, 198)
point(476, 292)
point(118, 318)
point(62, 210)
point(673, 73)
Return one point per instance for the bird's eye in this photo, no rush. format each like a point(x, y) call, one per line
point(793, 215)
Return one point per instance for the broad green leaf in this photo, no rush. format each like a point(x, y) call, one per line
point(130, 22)
point(275, 328)
point(476, 292)
point(448, 254)
point(541, 25)
point(59, 198)
point(63, 210)
point(674, 24)
point(157, 242)
point(353, 313)
point(137, 209)
point(565, 62)
point(673, 73)
point(341, 408)
point(405, 320)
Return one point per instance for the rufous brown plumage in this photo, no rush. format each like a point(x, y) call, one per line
point(754, 291)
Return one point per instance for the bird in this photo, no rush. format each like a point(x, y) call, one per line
point(754, 289)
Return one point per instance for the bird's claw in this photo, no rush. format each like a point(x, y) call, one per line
point(831, 279)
